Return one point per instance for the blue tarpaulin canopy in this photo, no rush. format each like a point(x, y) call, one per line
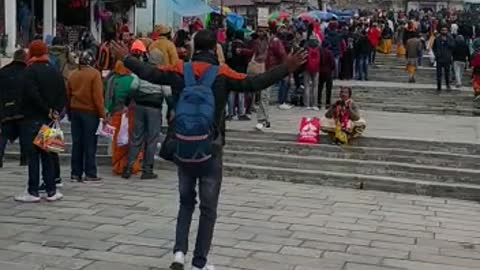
point(190, 8)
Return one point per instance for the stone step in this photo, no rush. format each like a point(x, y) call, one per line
point(396, 155)
point(357, 167)
point(328, 178)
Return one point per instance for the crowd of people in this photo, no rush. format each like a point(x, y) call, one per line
point(204, 80)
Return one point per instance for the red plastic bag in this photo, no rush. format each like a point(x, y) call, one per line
point(309, 131)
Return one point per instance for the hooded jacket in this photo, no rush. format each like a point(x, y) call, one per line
point(64, 56)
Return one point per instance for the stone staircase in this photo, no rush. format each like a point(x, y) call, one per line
point(404, 166)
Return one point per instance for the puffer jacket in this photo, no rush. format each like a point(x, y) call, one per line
point(167, 48)
point(64, 56)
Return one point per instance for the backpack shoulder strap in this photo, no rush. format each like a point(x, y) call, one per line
point(209, 77)
point(189, 75)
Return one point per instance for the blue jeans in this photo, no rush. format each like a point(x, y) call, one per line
point(241, 104)
point(283, 91)
point(362, 67)
point(84, 140)
point(338, 67)
point(209, 189)
point(34, 155)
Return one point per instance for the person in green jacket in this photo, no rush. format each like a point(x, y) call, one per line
point(119, 86)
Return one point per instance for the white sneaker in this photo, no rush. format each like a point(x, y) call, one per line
point(178, 261)
point(315, 108)
point(207, 267)
point(27, 198)
point(308, 108)
point(58, 196)
point(259, 127)
point(285, 106)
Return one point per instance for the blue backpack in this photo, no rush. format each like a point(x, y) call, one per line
point(195, 120)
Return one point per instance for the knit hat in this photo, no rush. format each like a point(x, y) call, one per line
point(162, 29)
point(37, 48)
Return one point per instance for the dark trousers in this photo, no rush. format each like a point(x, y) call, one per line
point(373, 56)
point(209, 189)
point(84, 140)
point(327, 81)
point(56, 166)
point(445, 68)
point(148, 125)
point(10, 131)
point(35, 155)
point(283, 91)
point(361, 64)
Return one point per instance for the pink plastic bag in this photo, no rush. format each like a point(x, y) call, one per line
point(309, 131)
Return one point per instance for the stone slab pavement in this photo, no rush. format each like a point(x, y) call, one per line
point(443, 128)
point(384, 84)
point(262, 225)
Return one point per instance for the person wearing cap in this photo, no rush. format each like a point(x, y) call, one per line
point(148, 99)
point(43, 99)
point(85, 108)
point(165, 45)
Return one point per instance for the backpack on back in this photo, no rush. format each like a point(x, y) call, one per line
point(313, 62)
point(195, 120)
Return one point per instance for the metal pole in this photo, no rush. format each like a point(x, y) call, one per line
point(221, 7)
point(154, 8)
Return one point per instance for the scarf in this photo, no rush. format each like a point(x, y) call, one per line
point(40, 59)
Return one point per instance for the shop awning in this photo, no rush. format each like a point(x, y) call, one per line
point(188, 8)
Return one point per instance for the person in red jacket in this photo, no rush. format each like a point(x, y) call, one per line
point(374, 36)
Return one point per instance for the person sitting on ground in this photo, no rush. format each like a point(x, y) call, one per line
point(343, 121)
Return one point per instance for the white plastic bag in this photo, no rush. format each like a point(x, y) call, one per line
point(123, 132)
point(105, 130)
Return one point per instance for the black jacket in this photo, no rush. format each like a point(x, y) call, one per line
point(461, 52)
point(45, 90)
point(362, 46)
point(227, 80)
point(443, 48)
point(12, 82)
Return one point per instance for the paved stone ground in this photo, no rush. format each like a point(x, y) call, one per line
point(129, 225)
point(443, 128)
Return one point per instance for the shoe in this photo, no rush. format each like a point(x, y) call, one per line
point(148, 176)
point(308, 108)
point(244, 118)
point(260, 126)
point(285, 106)
point(54, 197)
point(267, 124)
point(127, 173)
point(59, 182)
point(207, 267)
point(178, 262)
point(93, 179)
point(315, 108)
point(77, 179)
point(27, 198)
point(228, 118)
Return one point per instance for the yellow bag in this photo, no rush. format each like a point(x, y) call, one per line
point(340, 135)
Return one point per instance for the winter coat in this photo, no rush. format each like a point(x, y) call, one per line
point(333, 42)
point(12, 77)
point(167, 48)
point(45, 91)
point(443, 49)
point(461, 51)
point(374, 36)
point(276, 53)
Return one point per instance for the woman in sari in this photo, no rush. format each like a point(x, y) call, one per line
point(119, 86)
point(342, 121)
